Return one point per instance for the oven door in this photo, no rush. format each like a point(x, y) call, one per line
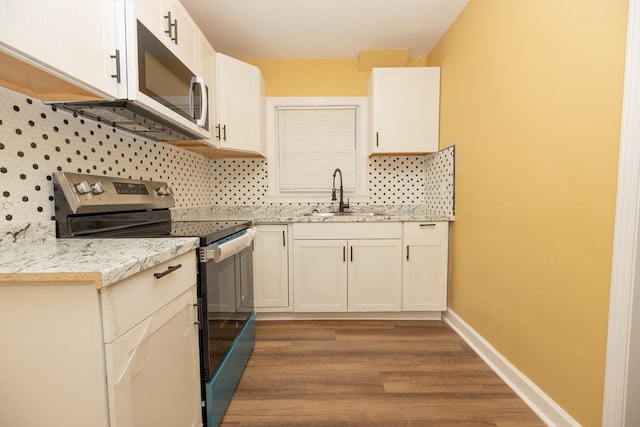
point(227, 292)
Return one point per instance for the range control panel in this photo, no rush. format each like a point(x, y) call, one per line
point(86, 193)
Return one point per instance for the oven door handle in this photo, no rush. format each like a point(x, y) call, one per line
point(219, 252)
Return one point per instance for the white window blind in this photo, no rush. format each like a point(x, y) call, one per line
point(312, 143)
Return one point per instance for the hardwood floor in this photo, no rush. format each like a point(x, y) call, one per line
point(370, 373)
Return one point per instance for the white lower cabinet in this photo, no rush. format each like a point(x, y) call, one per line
point(424, 270)
point(375, 272)
point(271, 268)
point(125, 355)
point(151, 369)
point(319, 275)
point(360, 273)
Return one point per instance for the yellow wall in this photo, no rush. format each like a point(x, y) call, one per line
point(316, 77)
point(531, 96)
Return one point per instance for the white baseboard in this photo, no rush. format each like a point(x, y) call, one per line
point(550, 413)
point(392, 315)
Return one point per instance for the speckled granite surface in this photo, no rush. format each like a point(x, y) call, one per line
point(30, 251)
point(104, 261)
point(26, 233)
point(266, 214)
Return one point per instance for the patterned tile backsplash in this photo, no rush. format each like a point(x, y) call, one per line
point(37, 140)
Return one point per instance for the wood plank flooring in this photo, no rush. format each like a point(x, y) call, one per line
point(370, 373)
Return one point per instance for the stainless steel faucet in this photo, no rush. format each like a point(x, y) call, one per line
point(342, 206)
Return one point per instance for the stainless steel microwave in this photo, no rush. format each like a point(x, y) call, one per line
point(166, 100)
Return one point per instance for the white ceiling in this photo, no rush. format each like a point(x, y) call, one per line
point(301, 29)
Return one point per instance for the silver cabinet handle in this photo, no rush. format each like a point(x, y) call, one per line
point(117, 58)
point(169, 270)
point(222, 132)
point(171, 28)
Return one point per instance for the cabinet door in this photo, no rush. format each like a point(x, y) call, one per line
point(73, 39)
point(405, 109)
point(375, 275)
point(424, 276)
point(173, 26)
point(153, 371)
point(184, 34)
point(208, 72)
point(239, 105)
point(320, 275)
point(271, 268)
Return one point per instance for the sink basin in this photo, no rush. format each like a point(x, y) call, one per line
point(330, 214)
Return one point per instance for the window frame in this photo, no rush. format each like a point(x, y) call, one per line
point(361, 195)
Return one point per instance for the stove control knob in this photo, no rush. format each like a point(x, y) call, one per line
point(83, 187)
point(164, 191)
point(97, 188)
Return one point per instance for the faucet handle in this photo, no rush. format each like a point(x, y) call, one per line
point(346, 205)
point(333, 195)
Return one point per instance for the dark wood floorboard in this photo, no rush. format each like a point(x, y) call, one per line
point(370, 373)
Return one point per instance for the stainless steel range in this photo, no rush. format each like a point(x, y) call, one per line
point(89, 206)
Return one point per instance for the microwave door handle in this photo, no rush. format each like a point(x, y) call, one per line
point(199, 81)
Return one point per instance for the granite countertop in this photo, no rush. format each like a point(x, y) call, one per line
point(103, 261)
point(293, 214)
point(30, 252)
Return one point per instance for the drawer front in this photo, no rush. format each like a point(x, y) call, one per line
point(128, 302)
point(348, 230)
point(425, 230)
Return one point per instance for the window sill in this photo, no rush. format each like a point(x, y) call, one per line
point(315, 199)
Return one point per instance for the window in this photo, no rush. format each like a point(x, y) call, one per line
point(307, 139)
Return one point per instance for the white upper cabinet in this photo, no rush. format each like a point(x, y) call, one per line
point(208, 72)
point(171, 24)
point(76, 40)
point(404, 106)
point(240, 105)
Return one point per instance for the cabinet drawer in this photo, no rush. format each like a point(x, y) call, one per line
point(128, 302)
point(427, 230)
point(348, 230)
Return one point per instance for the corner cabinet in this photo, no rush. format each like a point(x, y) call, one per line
point(404, 109)
point(73, 40)
point(124, 355)
point(240, 94)
point(271, 268)
point(425, 263)
point(351, 267)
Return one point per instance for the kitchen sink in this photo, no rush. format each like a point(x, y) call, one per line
point(330, 214)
